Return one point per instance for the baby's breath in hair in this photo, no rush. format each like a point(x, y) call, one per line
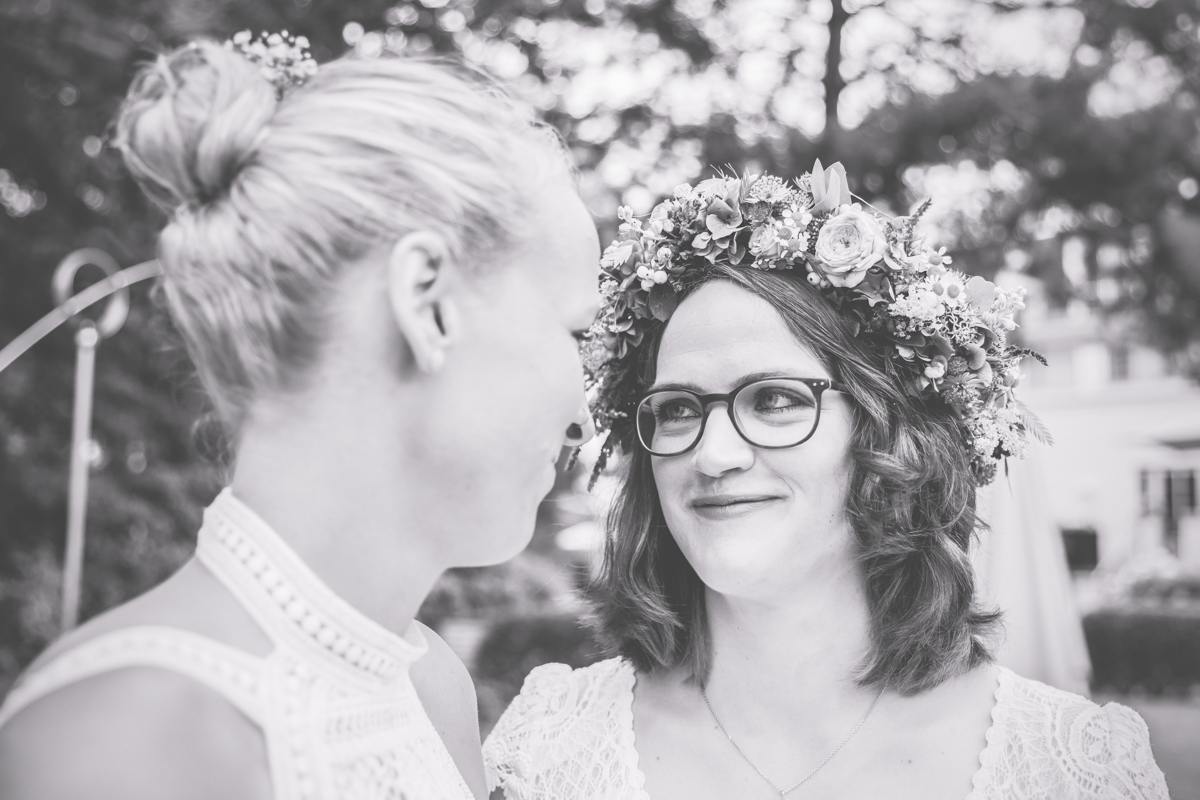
point(282, 59)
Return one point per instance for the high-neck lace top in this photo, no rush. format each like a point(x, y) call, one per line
point(333, 698)
point(569, 736)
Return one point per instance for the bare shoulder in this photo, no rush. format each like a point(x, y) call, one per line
point(133, 733)
point(447, 694)
point(441, 676)
point(965, 699)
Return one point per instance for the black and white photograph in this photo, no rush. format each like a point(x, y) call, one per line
point(599, 400)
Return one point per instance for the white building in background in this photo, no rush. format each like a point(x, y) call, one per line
point(1121, 476)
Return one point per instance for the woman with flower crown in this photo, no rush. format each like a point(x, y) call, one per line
point(381, 269)
point(805, 398)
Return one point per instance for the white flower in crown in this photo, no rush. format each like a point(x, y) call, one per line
point(849, 243)
point(282, 59)
point(920, 304)
point(951, 287)
point(765, 241)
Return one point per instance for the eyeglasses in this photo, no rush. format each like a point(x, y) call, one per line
point(771, 413)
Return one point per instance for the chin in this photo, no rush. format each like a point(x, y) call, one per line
point(497, 545)
point(737, 554)
point(734, 570)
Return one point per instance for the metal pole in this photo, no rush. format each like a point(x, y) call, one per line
point(86, 339)
point(115, 289)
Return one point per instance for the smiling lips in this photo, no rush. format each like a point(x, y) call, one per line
point(720, 506)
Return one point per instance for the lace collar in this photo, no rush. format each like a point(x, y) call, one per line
point(292, 604)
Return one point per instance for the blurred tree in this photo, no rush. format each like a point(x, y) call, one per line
point(1033, 121)
point(1103, 152)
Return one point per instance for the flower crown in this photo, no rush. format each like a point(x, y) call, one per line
point(282, 59)
point(946, 331)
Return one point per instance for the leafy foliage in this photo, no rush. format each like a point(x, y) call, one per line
point(1152, 650)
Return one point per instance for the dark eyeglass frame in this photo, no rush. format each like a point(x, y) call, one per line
point(818, 386)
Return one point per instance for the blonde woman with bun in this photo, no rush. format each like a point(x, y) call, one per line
point(380, 275)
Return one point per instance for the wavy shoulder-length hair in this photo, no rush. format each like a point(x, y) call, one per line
point(910, 503)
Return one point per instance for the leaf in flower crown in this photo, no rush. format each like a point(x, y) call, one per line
point(663, 301)
point(941, 345)
point(1033, 423)
point(976, 357)
point(830, 189)
point(875, 287)
point(737, 250)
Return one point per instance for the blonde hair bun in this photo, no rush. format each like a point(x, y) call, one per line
point(191, 121)
point(266, 220)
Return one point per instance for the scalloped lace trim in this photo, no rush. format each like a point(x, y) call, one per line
point(569, 735)
point(1047, 744)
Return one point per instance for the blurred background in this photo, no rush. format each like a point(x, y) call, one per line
point(1058, 139)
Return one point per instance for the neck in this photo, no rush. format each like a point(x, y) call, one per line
point(794, 657)
point(332, 495)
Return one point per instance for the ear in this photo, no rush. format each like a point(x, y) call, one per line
point(422, 278)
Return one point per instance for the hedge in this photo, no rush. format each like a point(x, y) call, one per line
point(1144, 650)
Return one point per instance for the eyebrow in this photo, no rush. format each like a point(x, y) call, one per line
point(749, 377)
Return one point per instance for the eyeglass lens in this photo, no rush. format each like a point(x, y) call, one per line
point(779, 412)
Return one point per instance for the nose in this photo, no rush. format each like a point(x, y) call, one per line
point(721, 449)
point(583, 429)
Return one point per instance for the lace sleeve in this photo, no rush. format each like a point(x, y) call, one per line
point(509, 740)
point(568, 736)
point(1133, 773)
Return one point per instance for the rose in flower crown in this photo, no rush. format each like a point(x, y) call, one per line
point(946, 331)
point(283, 59)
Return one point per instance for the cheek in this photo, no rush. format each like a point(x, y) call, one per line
point(668, 481)
point(537, 350)
point(519, 364)
point(814, 476)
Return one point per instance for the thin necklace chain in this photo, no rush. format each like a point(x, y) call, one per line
point(802, 781)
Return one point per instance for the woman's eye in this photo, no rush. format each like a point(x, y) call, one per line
point(676, 411)
point(779, 400)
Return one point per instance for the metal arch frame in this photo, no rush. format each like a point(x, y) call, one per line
point(116, 282)
point(115, 288)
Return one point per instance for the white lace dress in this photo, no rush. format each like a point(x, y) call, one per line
point(569, 736)
point(334, 700)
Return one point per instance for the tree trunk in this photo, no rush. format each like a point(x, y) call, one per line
point(833, 81)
